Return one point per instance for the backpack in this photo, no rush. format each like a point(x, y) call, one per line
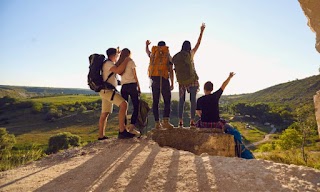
point(159, 62)
point(142, 119)
point(184, 68)
point(95, 79)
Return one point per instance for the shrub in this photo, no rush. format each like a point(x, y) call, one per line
point(53, 114)
point(267, 147)
point(62, 141)
point(82, 108)
point(6, 140)
point(37, 107)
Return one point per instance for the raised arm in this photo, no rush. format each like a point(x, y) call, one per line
point(225, 83)
point(203, 26)
point(121, 67)
point(147, 48)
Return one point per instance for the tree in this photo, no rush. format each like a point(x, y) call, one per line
point(289, 139)
point(307, 126)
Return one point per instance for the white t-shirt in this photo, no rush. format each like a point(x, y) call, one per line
point(106, 72)
point(128, 76)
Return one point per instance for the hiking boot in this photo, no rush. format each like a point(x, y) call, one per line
point(102, 138)
point(131, 129)
point(166, 123)
point(125, 135)
point(192, 125)
point(157, 125)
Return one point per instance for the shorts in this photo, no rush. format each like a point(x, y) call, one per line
point(107, 103)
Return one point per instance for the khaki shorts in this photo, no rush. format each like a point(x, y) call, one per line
point(107, 104)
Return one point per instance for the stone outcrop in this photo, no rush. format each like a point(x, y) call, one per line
point(316, 99)
point(196, 141)
point(311, 9)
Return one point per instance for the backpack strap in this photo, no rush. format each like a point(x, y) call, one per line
point(106, 81)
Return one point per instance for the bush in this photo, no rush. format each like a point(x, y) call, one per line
point(37, 107)
point(6, 140)
point(53, 114)
point(267, 147)
point(82, 108)
point(62, 141)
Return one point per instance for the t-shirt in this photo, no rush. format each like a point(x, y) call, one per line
point(106, 72)
point(128, 76)
point(209, 105)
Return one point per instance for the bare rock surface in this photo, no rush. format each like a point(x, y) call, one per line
point(311, 9)
point(141, 165)
point(197, 141)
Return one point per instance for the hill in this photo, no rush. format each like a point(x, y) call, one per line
point(294, 92)
point(291, 93)
point(141, 165)
point(25, 91)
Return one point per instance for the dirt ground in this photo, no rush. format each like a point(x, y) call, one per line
point(141, 165)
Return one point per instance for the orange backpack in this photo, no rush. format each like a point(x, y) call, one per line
point(159, 62)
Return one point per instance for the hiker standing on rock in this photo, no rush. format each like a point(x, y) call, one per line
point(160, 71)
point(208, 111)
point(110, 96)
point(187, 77)
point(130, 87)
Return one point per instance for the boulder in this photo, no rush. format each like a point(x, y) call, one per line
point(197, 141)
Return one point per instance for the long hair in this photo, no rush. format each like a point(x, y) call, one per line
point(186, 46)
point(124, 54)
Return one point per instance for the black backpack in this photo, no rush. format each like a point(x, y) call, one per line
point(95, 80)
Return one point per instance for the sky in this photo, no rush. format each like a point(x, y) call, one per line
point(47, 43)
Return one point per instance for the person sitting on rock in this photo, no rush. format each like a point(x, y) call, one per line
point(208, 111)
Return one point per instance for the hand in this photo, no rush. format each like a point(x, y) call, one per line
point(171, 87)
point(139, 91)
point(231, 74)
point(203, 26)
point(148, 43)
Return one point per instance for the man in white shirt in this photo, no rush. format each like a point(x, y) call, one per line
point(110, 96)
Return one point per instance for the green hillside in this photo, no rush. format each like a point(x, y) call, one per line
point(26, 92)
point(293, 93)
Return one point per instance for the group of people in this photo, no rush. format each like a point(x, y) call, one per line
point(162, 83)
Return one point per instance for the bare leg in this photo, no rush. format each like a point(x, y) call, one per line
point(102, 123)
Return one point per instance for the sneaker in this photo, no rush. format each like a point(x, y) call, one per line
point(131, 129)
point(103, 138)
point(125, 135)
point(166, 124)
point(157, 125)
point(180, 125)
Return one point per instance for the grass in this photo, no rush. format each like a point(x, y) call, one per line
point(292, 157)
point(66, 99)
point(14, 158)
point(256, 133)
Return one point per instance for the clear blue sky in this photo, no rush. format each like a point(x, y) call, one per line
point(47, 43)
